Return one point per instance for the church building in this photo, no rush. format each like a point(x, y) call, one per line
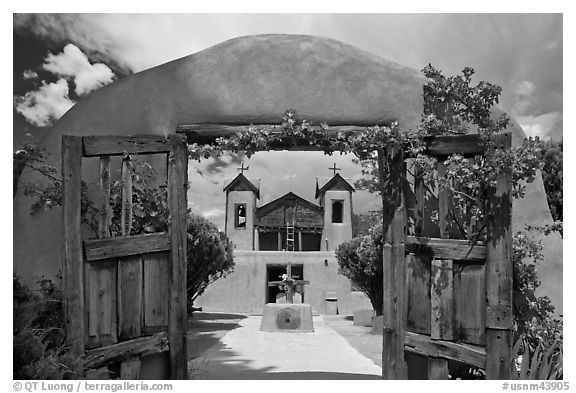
point(288, 231)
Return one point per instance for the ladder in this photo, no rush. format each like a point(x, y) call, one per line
point(289, 237)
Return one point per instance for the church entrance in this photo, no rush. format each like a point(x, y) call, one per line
point(274, 272)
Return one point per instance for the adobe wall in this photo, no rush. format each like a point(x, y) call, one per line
point(244, 290)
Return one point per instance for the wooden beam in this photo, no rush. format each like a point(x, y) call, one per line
point(177, 229)
point(459, 250)
point(142, 346)
point(465, 353)
point(99, 249)
point(442, 146)
point(499, 274)
point(391, 173)
point(73, 267)
point(114, 145)
point(446, 145)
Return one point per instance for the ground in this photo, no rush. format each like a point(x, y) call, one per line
point(231, 346)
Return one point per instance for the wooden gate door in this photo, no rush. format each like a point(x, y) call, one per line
point(449, 300)
point(125, 297)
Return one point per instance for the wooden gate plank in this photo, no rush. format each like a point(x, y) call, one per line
point(469, 303)
point(126, 212)
point(73, 269)
point(441, 289)
point(101, 305)
point(129, 297)
point(156, 281)
point(104, 208)
point(130, 369)
point(177, 316)
point(418, 297)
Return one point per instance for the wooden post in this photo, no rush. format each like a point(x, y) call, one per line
point(499, 274)
point(392, 177)
point(126, 214)
point(441, 290)
point(73, 263)
point(300, 240)
point(177, 204)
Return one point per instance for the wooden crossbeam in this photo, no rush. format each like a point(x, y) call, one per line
point(142, 346)
point(440, 146)
point(106, 248)
point(459, 250)
point(466, 353)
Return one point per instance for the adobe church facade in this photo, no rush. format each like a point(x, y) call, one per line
point(289, 230)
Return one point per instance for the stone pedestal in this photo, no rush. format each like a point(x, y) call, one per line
point(290, 318)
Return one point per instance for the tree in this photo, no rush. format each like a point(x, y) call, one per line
point(361, 261)
point(209, 256)
point(552, 175)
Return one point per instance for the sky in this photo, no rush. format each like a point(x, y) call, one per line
point(61, 58)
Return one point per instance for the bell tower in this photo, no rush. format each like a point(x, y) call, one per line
point(241, 195)
point(336, 198)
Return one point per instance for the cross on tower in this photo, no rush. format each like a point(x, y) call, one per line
point(334, 169)
point(243, 168)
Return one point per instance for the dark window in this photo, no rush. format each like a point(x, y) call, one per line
point(240, 215)
point(337, 211)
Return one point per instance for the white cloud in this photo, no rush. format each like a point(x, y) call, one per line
point(40, 107)
point(29, 74)
point(547, 125)
point(73, 63)
point(525, 88)
point(214, 212)
point(524, 97)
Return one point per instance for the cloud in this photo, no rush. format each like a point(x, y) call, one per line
point(213, 213)
point(40, 107)
point(547, 125)
point(72, 63)
point(524, 97)
point(29, 74)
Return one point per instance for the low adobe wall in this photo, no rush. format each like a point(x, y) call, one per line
point(244, 290)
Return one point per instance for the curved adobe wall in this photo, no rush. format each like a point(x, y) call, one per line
point(251, 79)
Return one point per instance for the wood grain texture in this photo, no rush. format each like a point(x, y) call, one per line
point(130, 368)
point(156, 282)
point(114, 145)
point(177, 204)
point(104, 208)
point(446, 248)
point(98, 249)
point(101, 303)
point(391, 173)
point(126, 212)
point(73, 266)
point(418, 293)
point(499, 273)
point(436, 146)
point(442, 300)
point(142, 346)
point(469, 302)
point(437, 368)
point(129, 297)
point(465, 353)
point(498, 353)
